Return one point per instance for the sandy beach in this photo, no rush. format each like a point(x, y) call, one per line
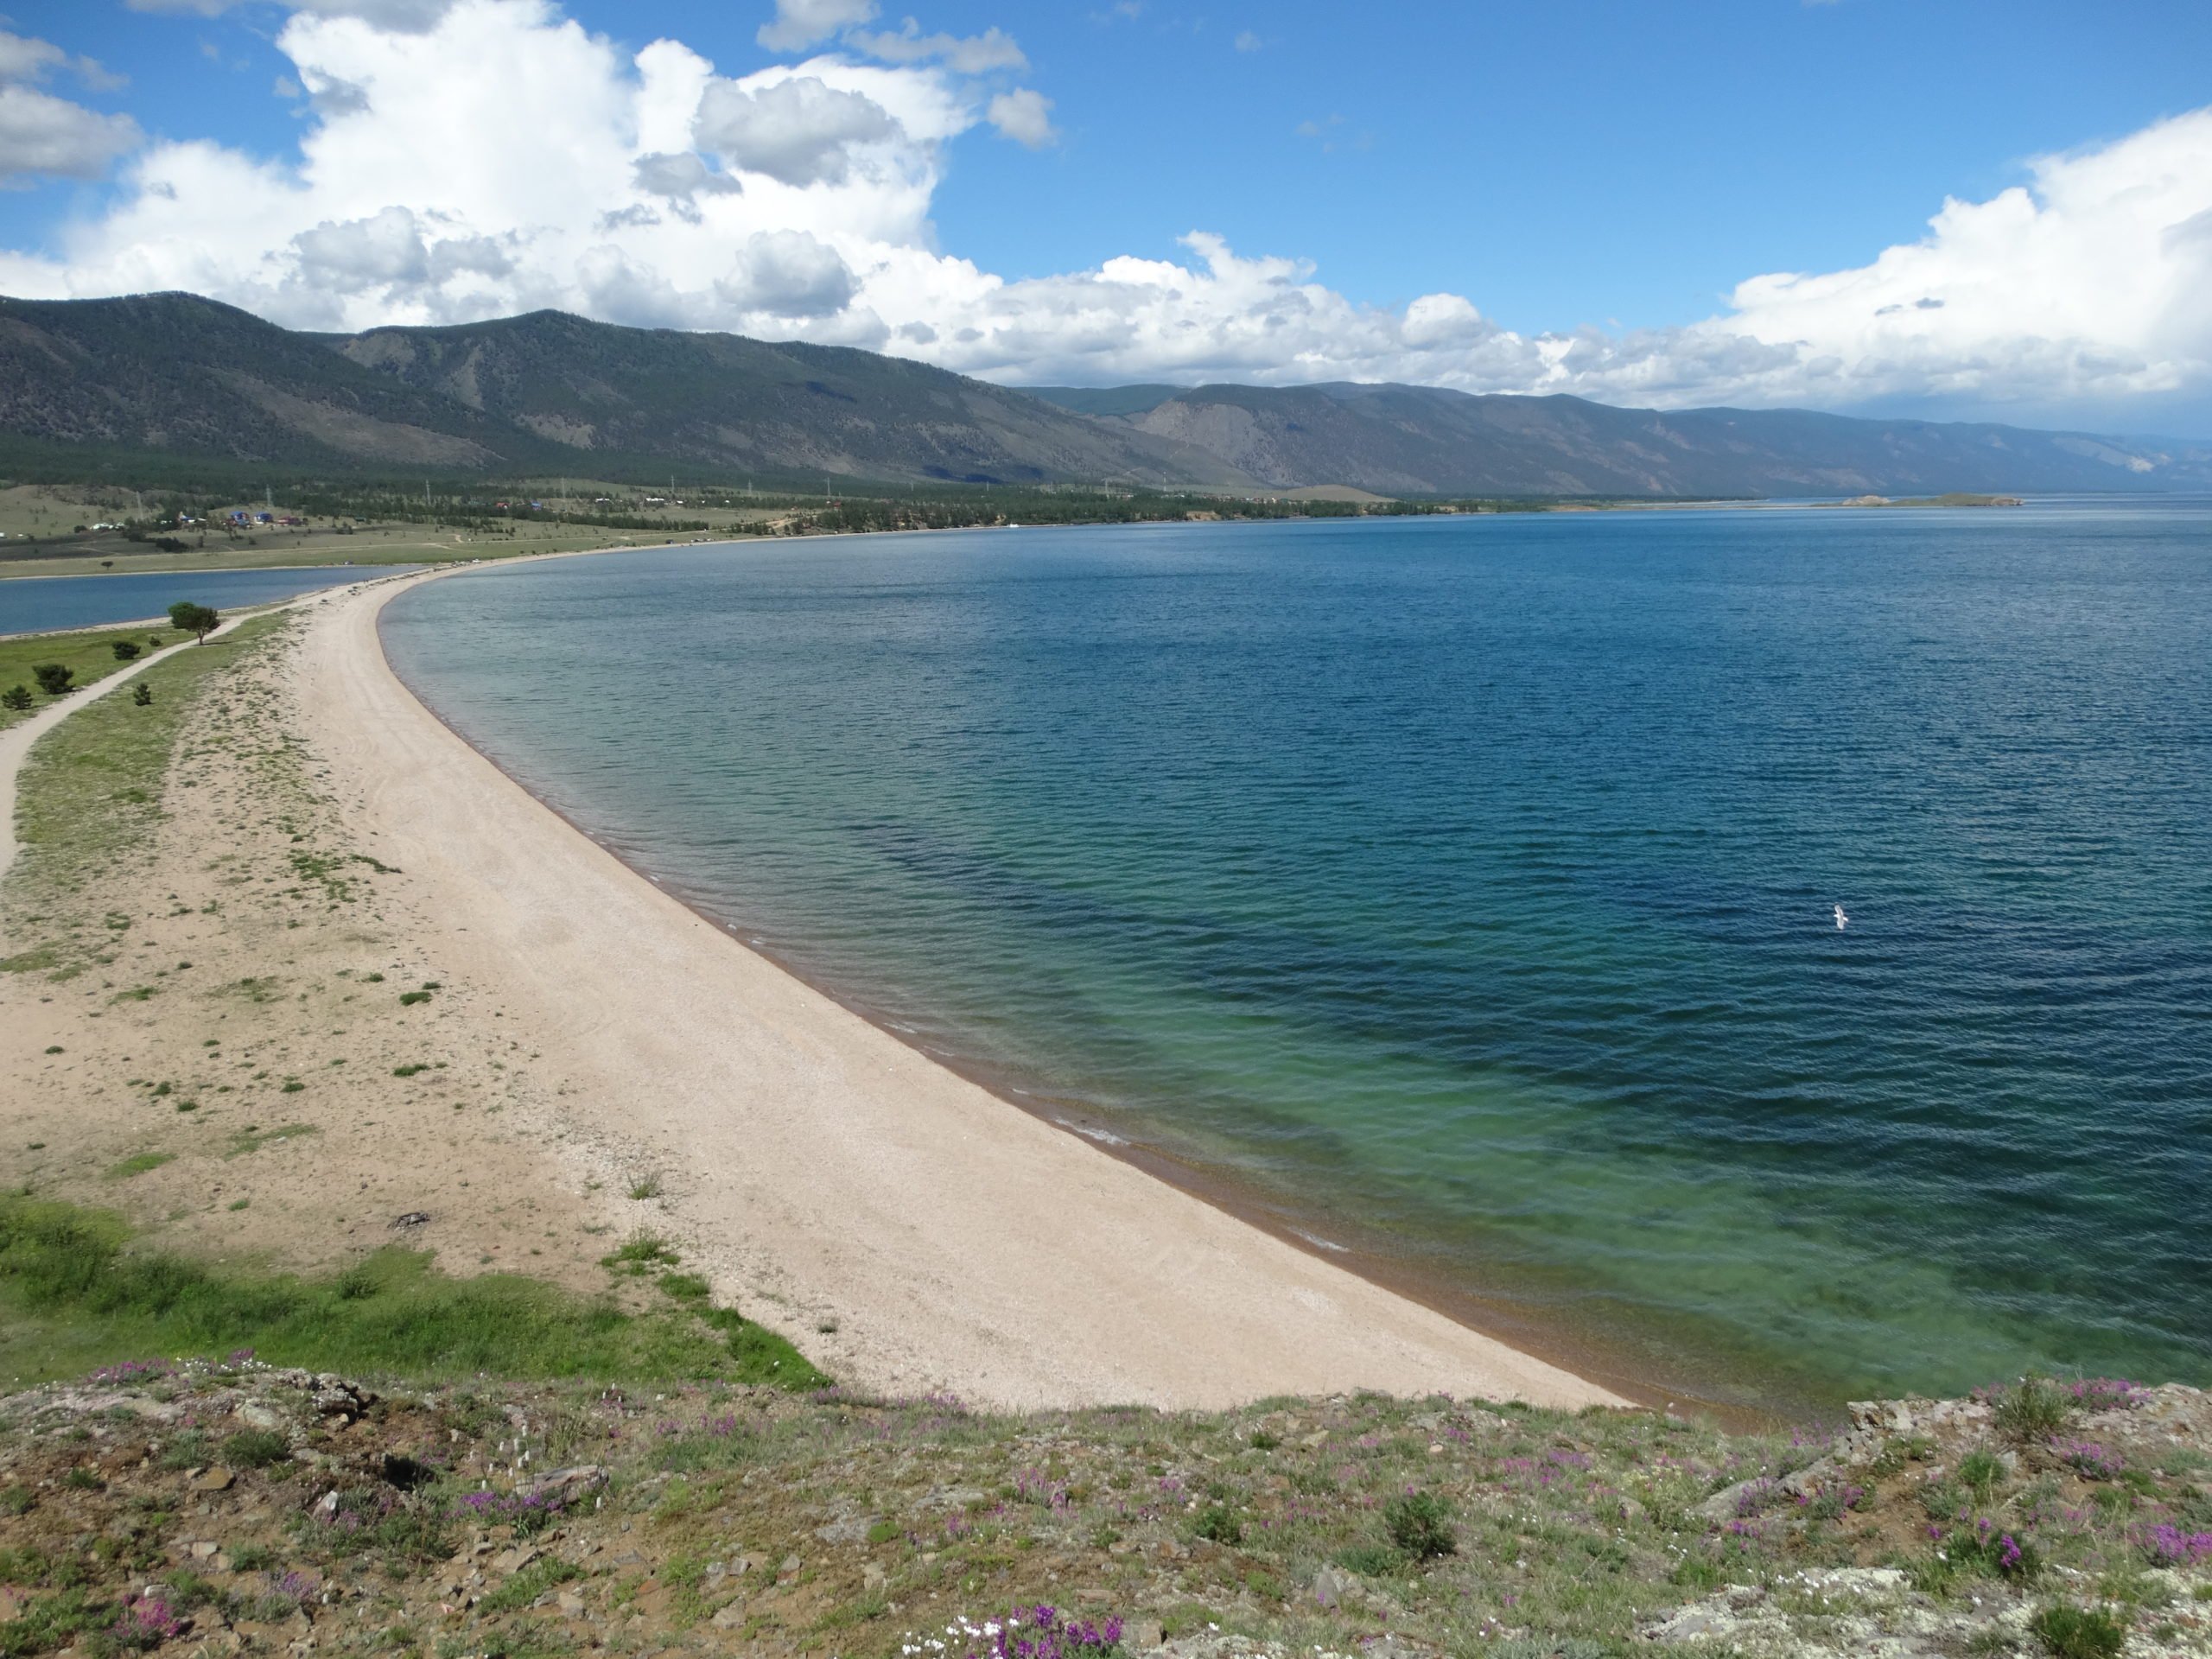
point(615, 1062)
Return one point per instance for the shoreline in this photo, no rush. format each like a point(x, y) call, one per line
point(1204, 1305)
point(1211, 1185)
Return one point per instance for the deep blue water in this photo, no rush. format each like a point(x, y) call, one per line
point(1465, 888)
point(34, 604)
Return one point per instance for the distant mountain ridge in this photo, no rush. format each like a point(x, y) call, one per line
point(176, 375)
point(174, 378)
point(1401, 440)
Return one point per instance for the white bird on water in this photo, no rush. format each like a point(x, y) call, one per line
point(1842, 921)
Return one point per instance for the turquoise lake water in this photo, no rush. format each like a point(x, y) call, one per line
point(1463, 889)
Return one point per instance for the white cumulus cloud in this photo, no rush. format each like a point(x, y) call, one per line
point(801, 23)
point(800, 131)
point(1024, 115)
point(975, 54)
point(648, 187)
point(412, 15)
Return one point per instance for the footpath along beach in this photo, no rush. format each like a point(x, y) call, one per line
point(607, 1061)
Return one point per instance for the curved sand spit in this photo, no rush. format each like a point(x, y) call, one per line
point(962, 1244)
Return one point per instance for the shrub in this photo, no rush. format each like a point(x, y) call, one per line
point(409, 999)
point(17, 697)
point(1420, 1524)
point(2031, 1410)
point(125, 650)
point(255, 1448)
point(143, 695)
point(1370, 1560)
point(1991, 1552)
point(2072, 1632)
point(1219, 1524)
point(55, 678)
point(1982, 1471)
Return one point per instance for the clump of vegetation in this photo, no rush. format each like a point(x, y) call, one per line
point(1419, 1524)
point(640, 1255)
point(255, 1448)
point(1218, 1523)
point(2031, 1410)
point(2071, 1632)
point(17, 697)
point(55, 679)
point(126, 651)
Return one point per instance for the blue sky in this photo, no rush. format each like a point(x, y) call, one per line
point(1605, 168)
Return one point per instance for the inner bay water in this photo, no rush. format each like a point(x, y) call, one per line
point(1462, 889)
point(34, 604)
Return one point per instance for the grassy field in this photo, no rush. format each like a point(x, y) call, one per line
point(48, 514)
point(90, 656)
point(399, 544)
point(90, 794)
point(74, 1296)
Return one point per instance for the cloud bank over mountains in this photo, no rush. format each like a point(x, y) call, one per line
point(794, 201)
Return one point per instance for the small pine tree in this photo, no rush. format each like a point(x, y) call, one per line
point(189, 618)
point(53, 678)
point(141, 694)
point(125, 650)
point(17, 697)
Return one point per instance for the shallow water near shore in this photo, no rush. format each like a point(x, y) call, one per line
point(1464, 888)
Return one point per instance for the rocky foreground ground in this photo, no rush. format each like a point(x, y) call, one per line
point(230, 1508)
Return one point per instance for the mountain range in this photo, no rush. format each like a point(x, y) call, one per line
point(170, 381)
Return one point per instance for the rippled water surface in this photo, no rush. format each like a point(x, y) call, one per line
point(1465, 888)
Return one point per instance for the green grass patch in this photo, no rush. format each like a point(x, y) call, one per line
point(252, 1140)
point(528, 1585)
point(72, 1295)
point(640, 1255)
point(89, 656)
point(139, 1164)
